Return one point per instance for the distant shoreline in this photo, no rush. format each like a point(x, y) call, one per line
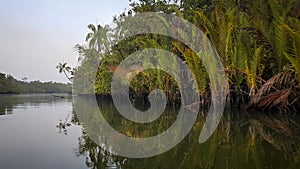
point(9, 85)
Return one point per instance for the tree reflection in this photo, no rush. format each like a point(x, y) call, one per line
point(241, 141)
point(97, 156)
point(10, 102)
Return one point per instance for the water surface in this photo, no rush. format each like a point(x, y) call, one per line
point(29, 136)
point(42, 131)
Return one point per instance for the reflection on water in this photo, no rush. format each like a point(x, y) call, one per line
point(29, 138)
point(43, 131)
point(241, 141)
point(10, 102)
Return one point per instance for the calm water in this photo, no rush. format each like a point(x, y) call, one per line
point(29, 136)
point(42, 131)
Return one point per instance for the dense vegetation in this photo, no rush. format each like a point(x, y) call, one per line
point(258, 42)
point(9, 85)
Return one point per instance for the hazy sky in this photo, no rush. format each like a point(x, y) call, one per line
point(35, 35)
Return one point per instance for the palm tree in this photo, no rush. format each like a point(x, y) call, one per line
point(64, 68)
point(98, 37)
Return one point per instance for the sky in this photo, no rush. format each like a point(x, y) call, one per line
point(36, 35)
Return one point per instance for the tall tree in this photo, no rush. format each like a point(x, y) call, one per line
point(98, 37)
point(64, 68)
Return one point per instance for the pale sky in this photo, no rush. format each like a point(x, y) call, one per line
point(35, 35)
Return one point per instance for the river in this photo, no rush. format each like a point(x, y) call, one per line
point(41, 131)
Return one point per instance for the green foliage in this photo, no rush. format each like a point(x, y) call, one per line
point(9, 85)
point(255, 40)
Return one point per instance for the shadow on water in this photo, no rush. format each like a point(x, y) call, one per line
point(241, 141)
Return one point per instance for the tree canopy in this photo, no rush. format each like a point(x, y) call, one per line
point(9, 85)
point(255, 39)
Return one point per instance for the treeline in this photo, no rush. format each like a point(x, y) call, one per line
point(9, 85)
point(258, 42)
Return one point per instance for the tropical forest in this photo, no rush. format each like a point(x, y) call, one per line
point(10, 85)
point(257, 41)
point(150, 84)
